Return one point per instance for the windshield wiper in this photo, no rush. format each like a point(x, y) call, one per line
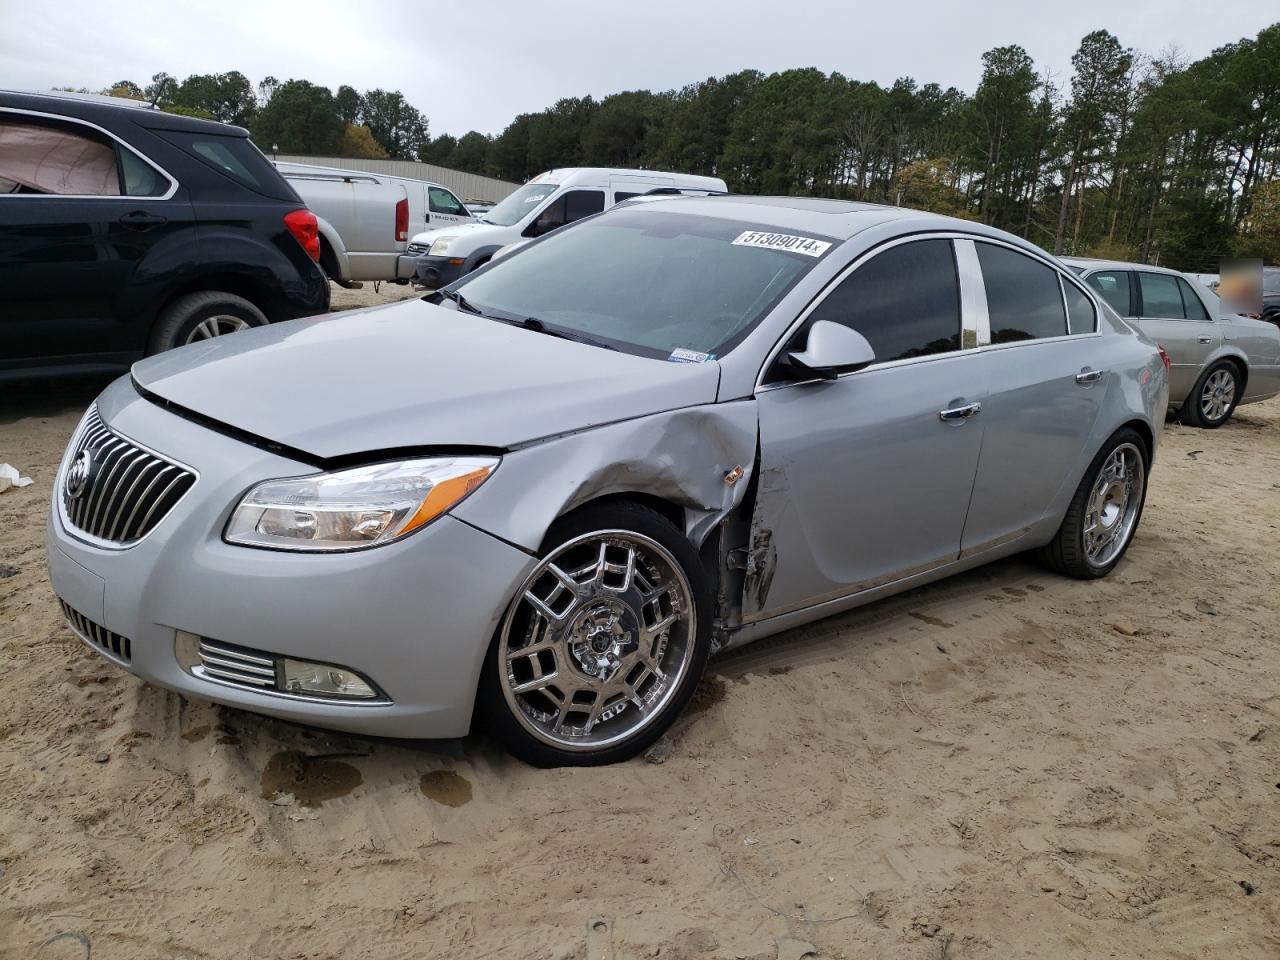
point(462, 302)
point(537, 326)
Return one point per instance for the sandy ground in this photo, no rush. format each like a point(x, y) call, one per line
point(1007, 764)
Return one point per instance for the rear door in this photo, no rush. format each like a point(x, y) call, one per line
point(88, 225)
point(1046, 381)
point(1171, 314)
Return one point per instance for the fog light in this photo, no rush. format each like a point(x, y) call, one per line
point(322, 680)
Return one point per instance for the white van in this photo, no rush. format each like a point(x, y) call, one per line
point(365, 219)
point(552, 199)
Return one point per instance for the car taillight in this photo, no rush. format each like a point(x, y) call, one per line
point(402, 220)
point(1164, 357)
point(302, 224)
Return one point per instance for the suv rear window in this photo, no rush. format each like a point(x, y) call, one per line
point(236, 158)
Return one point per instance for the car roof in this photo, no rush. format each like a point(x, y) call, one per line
point(561, 175)
point(102, 109)
point(840, 219)
point(1091, 263)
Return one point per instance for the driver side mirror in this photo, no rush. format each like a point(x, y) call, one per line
point(832, 349)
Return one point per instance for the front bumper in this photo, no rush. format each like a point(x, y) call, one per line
point(416, 616)
point(436, 272)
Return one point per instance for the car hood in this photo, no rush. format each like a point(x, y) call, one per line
point(412, 374)
point(457, 230)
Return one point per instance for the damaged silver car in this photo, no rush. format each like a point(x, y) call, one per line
point(541, 499)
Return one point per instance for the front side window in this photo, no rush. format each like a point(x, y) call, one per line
point(1161, 298)
point(620, 195)
point(442, 201)
point(571, 206)
point(905, 301)
point(645, 282)
point(1024, 296)
point(520, 204)
point(1081, 316)
point(1113, 287)
point(38, 158)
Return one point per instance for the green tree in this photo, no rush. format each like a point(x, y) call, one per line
point(347, 100)
point(399, 127)
point(299, 118)
point(226, 97)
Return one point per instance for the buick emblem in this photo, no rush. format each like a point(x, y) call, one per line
point(78, 475)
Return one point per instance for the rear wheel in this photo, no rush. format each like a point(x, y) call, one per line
point(203, 316)
point(604, 643)
point(1104, 513)
point(1214, 397)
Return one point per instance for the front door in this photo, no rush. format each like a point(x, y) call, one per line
point(445, 209)
point(866, 479)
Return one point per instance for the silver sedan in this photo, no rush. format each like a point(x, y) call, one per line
point(1219, 360)
point(541, 498)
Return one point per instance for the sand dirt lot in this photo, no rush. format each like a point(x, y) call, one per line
point(1007, 764)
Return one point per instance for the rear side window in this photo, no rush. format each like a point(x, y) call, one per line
point(140, 178)
point(905, 301)
point(1081, 316)
point(1024, 298)
point(1113, 287)
point(1191, 304)
point(52, 159)
point(442, 201)
point(236, 158)
point(1161, 298)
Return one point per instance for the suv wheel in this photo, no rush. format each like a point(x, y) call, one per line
point(202, 316)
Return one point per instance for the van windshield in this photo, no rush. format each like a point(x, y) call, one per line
point(656, 284)
point(514, 208)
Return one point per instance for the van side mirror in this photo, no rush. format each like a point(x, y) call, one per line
point(831, 349)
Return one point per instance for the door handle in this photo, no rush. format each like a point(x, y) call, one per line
point(1205, 339)
point(140, 220)
point(960, 414)
point(1089, 376)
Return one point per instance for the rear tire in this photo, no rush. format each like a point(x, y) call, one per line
point(620, 613)
point(202, 316)
point(1104, 512)
point(1214, 397)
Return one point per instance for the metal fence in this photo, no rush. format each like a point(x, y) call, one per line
point(468, 186)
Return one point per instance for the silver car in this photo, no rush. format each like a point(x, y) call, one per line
point(543, 497)
point(1219, 360)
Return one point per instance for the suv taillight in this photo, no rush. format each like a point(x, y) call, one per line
point(402, 220)
point(302, 224)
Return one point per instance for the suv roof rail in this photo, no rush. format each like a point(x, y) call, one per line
point(102, 98)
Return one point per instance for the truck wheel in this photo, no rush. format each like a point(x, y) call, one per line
point(202, 316)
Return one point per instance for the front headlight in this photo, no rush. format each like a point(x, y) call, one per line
point(441, 246)
point(351, 509)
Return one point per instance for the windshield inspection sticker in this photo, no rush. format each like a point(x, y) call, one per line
point(681, 355)
point(782, 241)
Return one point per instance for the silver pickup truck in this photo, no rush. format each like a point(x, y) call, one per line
point(366, 219)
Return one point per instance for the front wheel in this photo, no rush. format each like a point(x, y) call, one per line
point(1213, 399)
point(1104, 513)
point(604, 643)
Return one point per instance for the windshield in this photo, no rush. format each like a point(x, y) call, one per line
point(657, 284)
point(514, 208)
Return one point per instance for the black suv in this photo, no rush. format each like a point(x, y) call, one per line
point(126, 231)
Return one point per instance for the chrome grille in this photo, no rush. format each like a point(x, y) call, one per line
point(417, 249)
point(248, 668)
point(99, 636)
point(114, 490)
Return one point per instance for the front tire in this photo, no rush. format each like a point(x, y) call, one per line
point(1214, 397)
point(604, 643)
point(1104, 512)
point(202, 316)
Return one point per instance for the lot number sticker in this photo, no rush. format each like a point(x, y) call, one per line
point(782, 241)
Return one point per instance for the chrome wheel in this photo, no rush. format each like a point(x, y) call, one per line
point(1217, 394)
point(216, 326)
point(1114, 503)
point(598, 640)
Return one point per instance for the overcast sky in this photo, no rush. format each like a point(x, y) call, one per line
point(475, 65)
